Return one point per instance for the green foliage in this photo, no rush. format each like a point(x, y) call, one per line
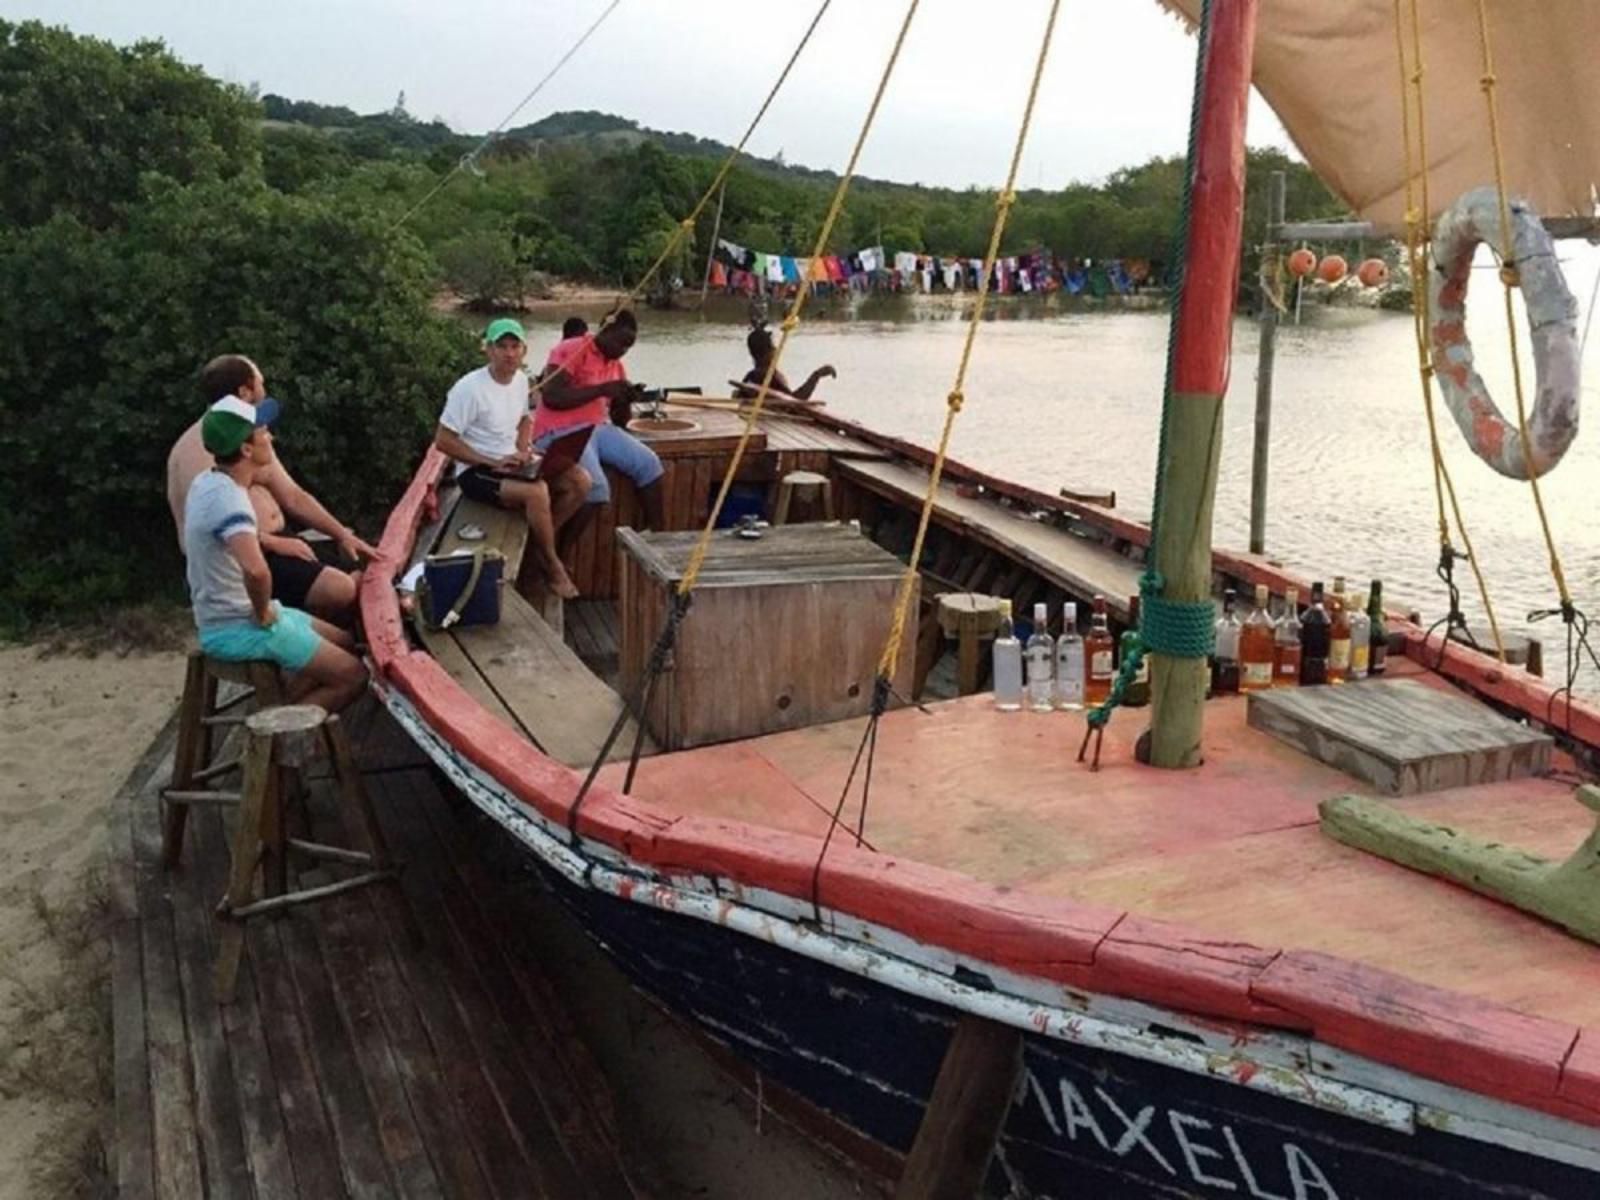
point(483, 268)
point(82, 120)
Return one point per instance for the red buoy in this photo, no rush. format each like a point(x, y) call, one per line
point(1372, 272)
point(1302, 262)
point(1332, 269)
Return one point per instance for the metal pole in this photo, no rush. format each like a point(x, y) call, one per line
point(716, 230)
point(1264, 364)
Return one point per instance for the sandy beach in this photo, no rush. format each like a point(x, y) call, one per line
point(71, 728)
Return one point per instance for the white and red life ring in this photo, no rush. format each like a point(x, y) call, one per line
point(1552, 313)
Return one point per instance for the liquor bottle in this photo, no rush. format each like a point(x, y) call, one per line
point(1378, 638)
point(1039, 662)
point(1069, 660)
point(1315, 634)
point(1360, 637)
point(1137, 694)
point(1225, 667)
point(1007, 664)
point(1099, 653)
point(1338, 634)
point(1286, 642)
point(1256, 646)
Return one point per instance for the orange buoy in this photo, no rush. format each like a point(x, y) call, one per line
point(1373, 272)
point(1332, 269)
point(1302, 262)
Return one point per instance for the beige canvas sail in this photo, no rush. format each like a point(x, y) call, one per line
point(1329, 69)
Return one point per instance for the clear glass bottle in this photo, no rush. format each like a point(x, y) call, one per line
point(1315, 635)
point(1338, 633)
point(1007, 664)
point(1378, 637)
point(1256, 646)
point(1360, 637)
point(1100, 656)
point(1286, 642)
point(1039, 662)
point(1225, 661)
point(1069, 660)
point(1137, 693)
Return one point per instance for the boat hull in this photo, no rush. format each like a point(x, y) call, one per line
point(1085, 1122)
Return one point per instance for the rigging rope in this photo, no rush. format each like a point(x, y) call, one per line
point(889, 660)
point(471, 158)
point(1509, 278)
point(1416, 168)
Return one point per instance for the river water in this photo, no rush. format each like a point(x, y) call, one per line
point(1074, 398)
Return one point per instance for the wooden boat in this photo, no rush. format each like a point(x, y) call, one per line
point(1214, 997)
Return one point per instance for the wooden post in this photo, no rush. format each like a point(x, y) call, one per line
point(1202, 331)
point(1264, 364)
point(965, 1114)
point(716, 231)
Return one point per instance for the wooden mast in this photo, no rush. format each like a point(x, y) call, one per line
point(1202, 335)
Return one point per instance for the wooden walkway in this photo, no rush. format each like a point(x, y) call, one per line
point(352, 1063)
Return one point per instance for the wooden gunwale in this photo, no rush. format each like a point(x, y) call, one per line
point(1550, 1066)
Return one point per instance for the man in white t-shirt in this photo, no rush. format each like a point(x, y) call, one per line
point(486, 429)
point(230, 584)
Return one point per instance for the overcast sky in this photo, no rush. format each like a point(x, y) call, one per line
point(1115, 93)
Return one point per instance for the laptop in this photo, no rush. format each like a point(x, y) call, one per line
point(559, 456)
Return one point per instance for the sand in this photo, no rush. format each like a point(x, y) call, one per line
point(71, 728)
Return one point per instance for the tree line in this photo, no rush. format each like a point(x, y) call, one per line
point(152, 217)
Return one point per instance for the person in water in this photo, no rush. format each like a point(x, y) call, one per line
point(759, 343)
point(485, 429)
point(299, 579)
point(230, 583)
point(583, 384)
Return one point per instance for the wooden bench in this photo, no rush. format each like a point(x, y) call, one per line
point(1078, 565)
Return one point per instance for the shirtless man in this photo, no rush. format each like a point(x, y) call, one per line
point(298, 579)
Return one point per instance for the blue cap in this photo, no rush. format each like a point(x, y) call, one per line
point(267, 410)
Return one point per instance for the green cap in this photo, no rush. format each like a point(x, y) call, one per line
point(501, 326)
point(227, 425)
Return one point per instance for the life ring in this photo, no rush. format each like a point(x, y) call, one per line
point(1552, 314)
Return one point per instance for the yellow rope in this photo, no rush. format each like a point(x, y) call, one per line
point(791, 320)
point(1417, 257)
point(1510, 279)
point(890, 659)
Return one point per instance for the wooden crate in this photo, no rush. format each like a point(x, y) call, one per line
point(1402, 736)
point(785, 631)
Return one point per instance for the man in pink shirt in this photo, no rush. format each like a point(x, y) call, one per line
point(583, 377)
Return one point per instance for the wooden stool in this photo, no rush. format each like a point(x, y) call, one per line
point(796, 480)
point(199, 716)
point(279, 742)
point(969, 617)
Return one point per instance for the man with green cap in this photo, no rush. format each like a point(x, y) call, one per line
point(230, 584)
point(486, 429)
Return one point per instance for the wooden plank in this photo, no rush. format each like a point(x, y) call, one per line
point(1083, 567)
point(971, 1098)
point(505, 530)
point(453, 657)
point(546, 685)
point(1400, 735)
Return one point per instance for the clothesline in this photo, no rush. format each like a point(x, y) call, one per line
point(737, 268)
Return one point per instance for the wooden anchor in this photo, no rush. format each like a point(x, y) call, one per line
point(1567, 893)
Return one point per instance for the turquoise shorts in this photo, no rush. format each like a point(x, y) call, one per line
point(290, 641)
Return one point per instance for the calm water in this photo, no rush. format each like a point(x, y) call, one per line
point(1075, 399)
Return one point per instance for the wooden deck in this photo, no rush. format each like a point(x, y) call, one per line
point(352, 1063)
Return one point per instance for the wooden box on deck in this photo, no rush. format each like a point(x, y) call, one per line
point(784, 632)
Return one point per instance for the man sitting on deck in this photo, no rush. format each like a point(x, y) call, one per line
point(230, 584)
point(759, 343)
point(583, 378)
point(298, 578)
point(485, 429)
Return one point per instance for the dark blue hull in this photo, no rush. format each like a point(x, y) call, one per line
point(1086, 1123)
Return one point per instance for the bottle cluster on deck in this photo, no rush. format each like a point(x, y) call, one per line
point(1334, 639)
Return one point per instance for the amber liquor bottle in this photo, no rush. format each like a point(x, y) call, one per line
point(1255, 646)
point(1338, 633)
point(1099, 656)
point(1286, 642)
point(1315, 636)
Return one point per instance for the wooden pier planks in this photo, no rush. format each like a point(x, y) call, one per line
point(1402, 736)
point(352, 1063)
